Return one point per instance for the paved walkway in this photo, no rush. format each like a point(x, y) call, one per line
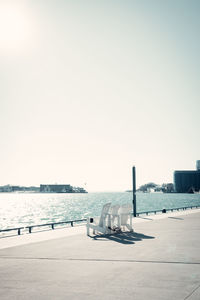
point(159, 260)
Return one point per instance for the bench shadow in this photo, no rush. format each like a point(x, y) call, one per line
point(145, 218)
point(127, 238)
point(175, 218)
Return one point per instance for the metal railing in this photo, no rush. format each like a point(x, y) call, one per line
point(13, 229)
point(53, 224)
point(165, 210)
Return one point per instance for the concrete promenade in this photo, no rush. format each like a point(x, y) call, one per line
point(159, 260)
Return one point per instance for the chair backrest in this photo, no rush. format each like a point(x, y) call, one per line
point(114, 209)
point(125, 211)
point(105, 210)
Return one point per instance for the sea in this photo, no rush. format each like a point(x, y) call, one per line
point(23, 209)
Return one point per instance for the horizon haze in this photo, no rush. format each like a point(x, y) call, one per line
point(89, 89)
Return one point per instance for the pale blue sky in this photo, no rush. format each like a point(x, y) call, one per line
point(90, 88)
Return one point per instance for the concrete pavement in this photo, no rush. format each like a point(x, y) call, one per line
point(159, 260)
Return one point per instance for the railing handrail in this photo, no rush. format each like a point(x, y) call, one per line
point(52, 224)
point(9, 229)
point(55, 223)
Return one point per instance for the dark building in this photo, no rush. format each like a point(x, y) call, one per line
point(56, 188)
point(187, 181)
point(60, 188)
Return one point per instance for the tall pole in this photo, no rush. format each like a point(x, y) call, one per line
point(134, 191)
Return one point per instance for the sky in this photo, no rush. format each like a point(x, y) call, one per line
point(90, 88)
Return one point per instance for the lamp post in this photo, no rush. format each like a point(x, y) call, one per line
point(134, 191)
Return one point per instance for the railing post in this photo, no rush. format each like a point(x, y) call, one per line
point(72, 223)
point(18, 231)
point(134, 191)
point(29, 229)
point(52, 226)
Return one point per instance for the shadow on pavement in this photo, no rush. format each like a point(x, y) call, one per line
point(175, 218)
point(145, 218)
point(123, 237)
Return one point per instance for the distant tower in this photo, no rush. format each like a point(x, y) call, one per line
point(198, 165)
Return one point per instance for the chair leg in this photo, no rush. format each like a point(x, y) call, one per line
point(129, 227)
point(108, 231)
point(119, 221)
point(131, 223)
point(88, 230)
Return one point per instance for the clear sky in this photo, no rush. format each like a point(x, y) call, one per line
point(89, 88)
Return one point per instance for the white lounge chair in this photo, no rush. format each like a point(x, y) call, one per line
point(99, 224)
point(126, 217)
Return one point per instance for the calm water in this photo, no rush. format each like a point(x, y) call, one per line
point(25, 209)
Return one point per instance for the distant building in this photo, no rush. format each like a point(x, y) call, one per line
point(6, 188)
point(56, 188)
point(60, 188)
point(187, 181)
point(16, 188)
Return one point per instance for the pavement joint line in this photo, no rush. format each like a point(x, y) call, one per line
point(192, 292)
point(102, 260)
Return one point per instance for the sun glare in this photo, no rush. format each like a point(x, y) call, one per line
point(14, 26)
